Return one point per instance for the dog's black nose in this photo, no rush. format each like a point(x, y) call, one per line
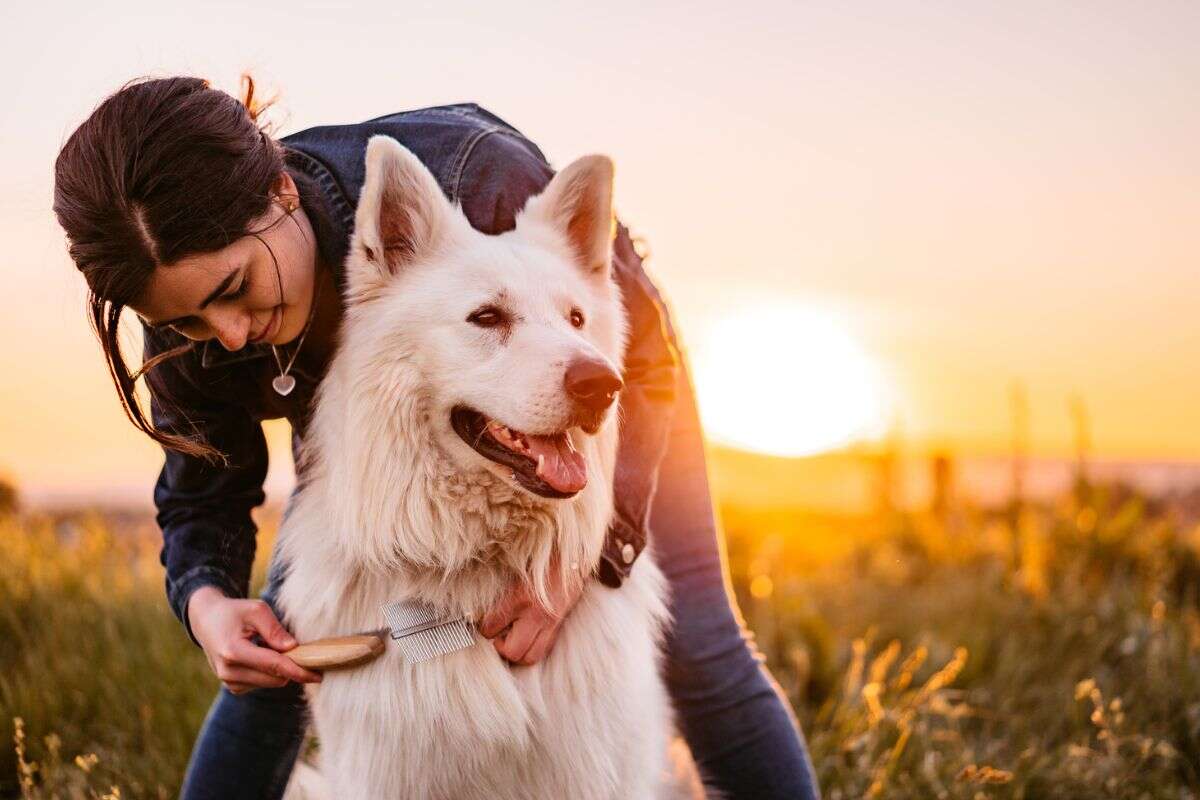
point(592, 384)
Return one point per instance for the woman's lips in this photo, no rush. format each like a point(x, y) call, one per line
point(272, 325)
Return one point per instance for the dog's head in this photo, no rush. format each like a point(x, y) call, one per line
point(513, 342)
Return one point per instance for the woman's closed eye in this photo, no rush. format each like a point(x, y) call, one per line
point(240, 291)
point(194, 327)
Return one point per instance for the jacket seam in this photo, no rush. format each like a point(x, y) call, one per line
point(461, 111)
point(323, 175)
point(464, 156)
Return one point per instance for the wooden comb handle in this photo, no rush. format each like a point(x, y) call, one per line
point(338, 651)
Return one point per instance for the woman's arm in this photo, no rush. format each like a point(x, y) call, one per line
point(208, 533)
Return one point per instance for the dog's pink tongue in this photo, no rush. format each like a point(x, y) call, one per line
point(560, 464)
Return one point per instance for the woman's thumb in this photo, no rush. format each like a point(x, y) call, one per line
point(267, 625)
point(500, 617)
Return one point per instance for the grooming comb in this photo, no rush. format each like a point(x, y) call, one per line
point(422, 634)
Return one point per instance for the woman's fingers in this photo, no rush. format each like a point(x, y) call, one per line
point(517, 642)
point(224, 627)
point(263, 660)
point(524, 631)
point(251, 667)
point(502, 615)
point(263, 621)
point(541, 646)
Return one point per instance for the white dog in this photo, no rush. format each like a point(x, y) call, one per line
point(463, 436)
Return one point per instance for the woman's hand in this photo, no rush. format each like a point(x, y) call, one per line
point(524, 631)
point(224, 625)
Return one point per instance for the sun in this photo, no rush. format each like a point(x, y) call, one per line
point(788, 381)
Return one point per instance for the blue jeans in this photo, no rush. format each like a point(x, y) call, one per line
point(735, 719)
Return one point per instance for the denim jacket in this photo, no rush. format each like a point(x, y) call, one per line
point(490, 169)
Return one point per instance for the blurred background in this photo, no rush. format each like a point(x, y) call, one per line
point(935, 269)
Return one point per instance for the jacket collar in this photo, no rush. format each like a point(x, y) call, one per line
point(341, 211)
point(212, 354)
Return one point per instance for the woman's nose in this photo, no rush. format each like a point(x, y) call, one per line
point(231, 327)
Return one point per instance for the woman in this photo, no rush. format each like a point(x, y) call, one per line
point(228, 245)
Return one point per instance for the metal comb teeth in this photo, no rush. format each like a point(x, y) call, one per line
point(421, 633)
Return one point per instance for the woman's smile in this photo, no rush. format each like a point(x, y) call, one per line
point(272, 326)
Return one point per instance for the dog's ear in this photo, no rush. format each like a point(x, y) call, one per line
point(401, 213)
point(578, 201)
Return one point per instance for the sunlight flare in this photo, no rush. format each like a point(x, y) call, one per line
point(787, 381)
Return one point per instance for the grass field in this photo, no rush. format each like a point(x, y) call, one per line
point(1052, 652)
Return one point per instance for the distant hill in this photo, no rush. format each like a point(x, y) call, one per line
point(854, 480)
point(849, 481)
point(840, 481)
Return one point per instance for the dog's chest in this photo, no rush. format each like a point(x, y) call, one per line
point(509, 726)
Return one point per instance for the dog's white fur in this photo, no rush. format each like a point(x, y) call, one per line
point(395, 505)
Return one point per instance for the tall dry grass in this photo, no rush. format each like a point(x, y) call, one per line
point(1052, 652)
point(93, 662)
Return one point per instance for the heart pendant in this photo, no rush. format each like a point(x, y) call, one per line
point(283, 384)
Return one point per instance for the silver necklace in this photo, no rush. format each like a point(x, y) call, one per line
point(283, 383)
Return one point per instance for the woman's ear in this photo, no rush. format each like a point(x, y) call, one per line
point(402, 212)
point(287, 194)
point(578, 202)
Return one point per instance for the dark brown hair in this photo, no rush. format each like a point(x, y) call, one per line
point(162, 169)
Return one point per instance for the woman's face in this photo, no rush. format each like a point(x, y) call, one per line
point(233, 294)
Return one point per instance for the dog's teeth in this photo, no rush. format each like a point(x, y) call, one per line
point(541, 463)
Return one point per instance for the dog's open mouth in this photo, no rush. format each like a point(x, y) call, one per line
point(548, 465)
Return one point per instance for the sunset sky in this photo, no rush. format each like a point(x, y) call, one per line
point(971, 194)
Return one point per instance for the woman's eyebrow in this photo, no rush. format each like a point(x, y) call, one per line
point(221, 287)
point(213, 295)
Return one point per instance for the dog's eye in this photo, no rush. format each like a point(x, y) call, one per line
point(487, 317)
point(576, 317)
